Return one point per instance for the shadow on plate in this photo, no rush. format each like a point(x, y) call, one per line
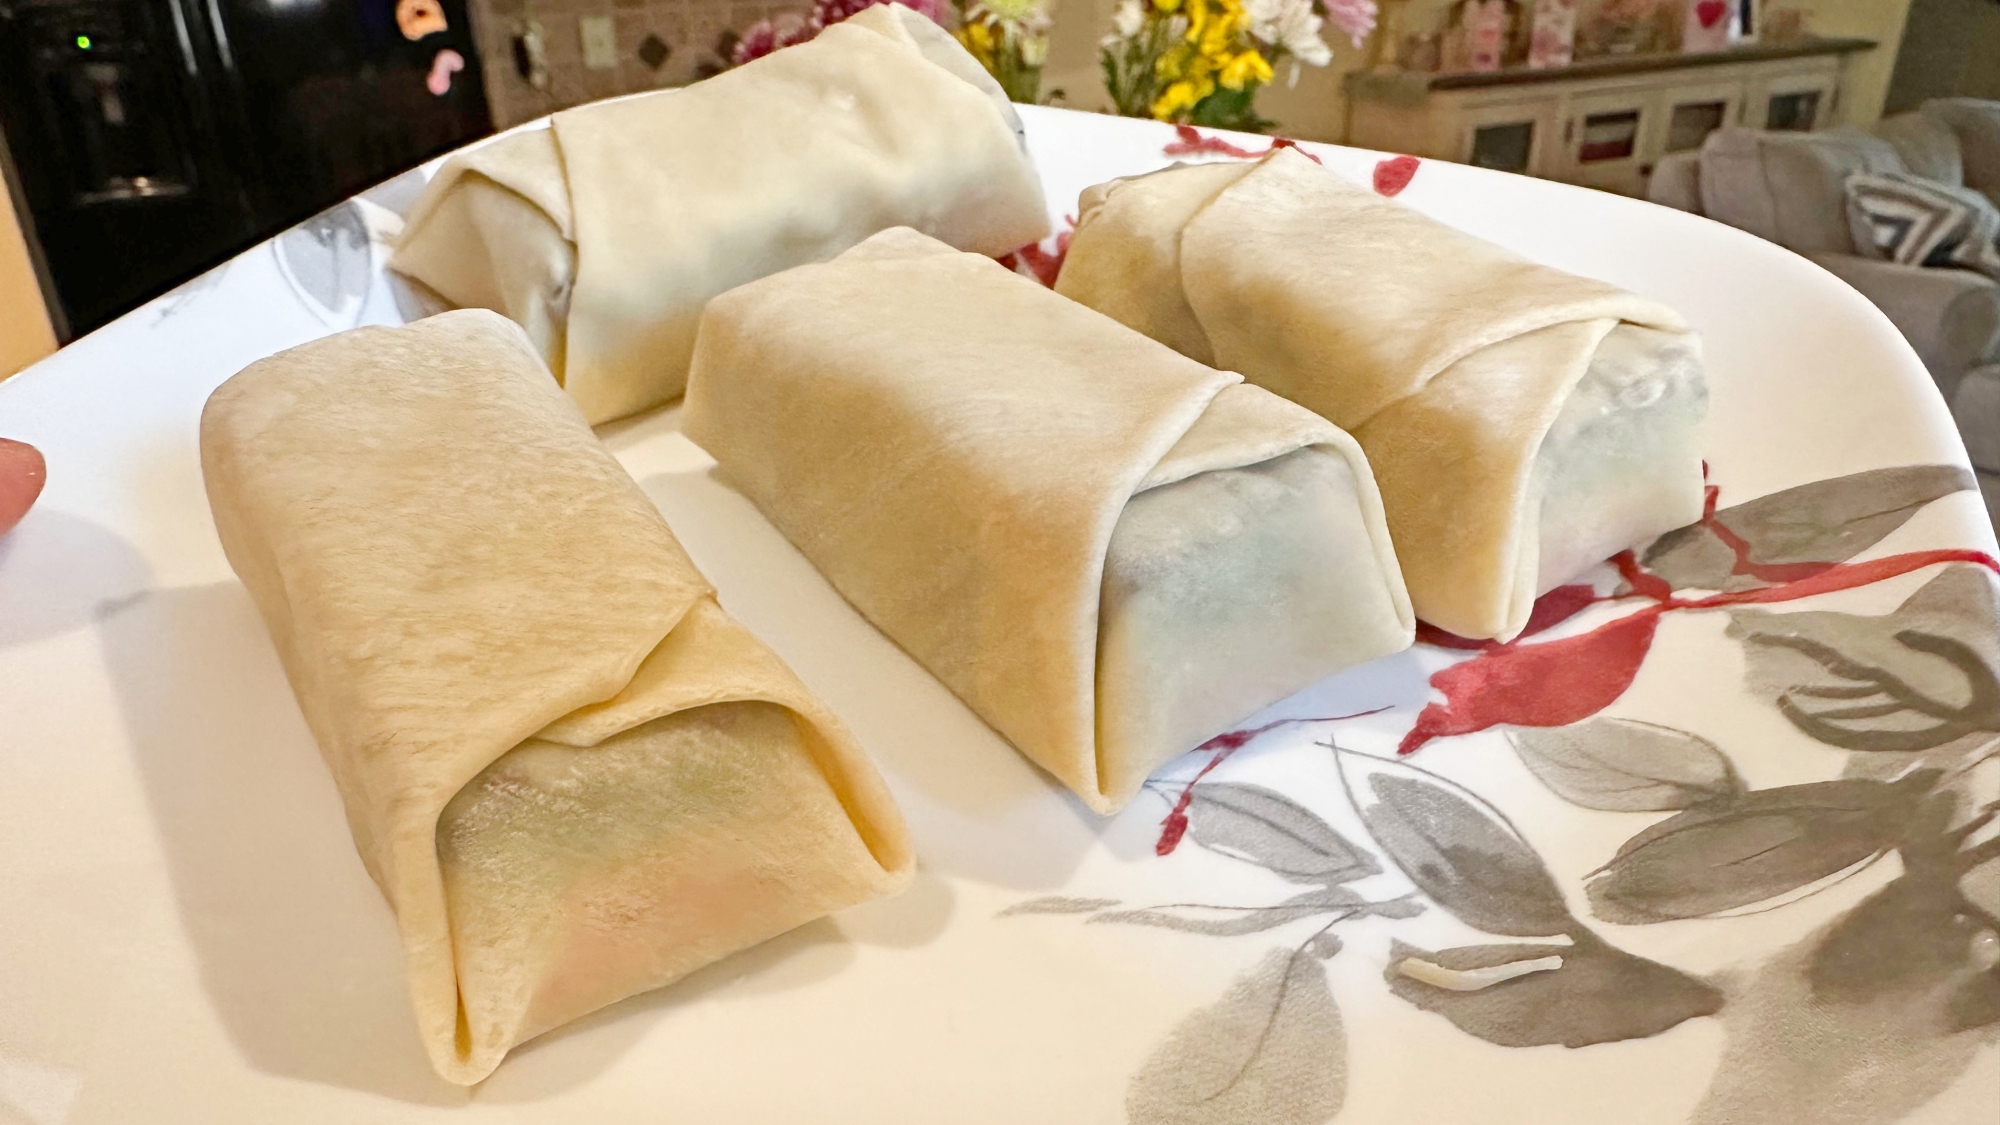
point(296, 947)
point(58, 572)
point(978, 809)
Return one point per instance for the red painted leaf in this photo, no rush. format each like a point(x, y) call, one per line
point(1550, 684)
point(1558, 606)
point(1394, 174)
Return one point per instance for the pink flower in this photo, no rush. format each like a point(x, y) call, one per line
point(1355, 17)
point(767, 35)
point(758, 40)
point(826, 13)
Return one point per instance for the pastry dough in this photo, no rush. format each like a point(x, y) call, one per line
point(571, 774)
point(1109, 552)
point(1523, 423)
point(604, 234)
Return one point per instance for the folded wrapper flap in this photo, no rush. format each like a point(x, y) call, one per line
point(450, 566)
point(953, 445)
point(604, 234)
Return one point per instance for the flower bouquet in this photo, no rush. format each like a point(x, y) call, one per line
point(1201, 62)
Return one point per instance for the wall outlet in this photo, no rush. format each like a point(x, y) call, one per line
point(531, 55)
point(600, 43)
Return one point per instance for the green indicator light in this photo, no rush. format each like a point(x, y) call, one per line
point(83, 42)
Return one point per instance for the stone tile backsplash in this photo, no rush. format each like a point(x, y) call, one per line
point(689, 28)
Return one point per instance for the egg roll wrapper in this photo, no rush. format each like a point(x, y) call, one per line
point(463, 586)
point(1449, 358)
point(955, 448)
point(633, 212)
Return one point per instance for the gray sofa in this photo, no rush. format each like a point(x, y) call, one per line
point(1791, 188)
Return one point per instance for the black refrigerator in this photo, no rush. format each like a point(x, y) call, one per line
point(150, 139)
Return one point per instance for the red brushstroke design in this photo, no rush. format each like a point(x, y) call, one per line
point(1175, 825)
point(1551, 684)
point(1287, 142)
point(1394, 174)
point(1642, 582)
point(1192, 143)
point(1738, 546)
point(1556, 683)
point(1843, 576)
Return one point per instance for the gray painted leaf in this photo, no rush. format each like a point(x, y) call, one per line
point(1627, 766)
point(1599, 995)
point(1274, 832)
point(1923, 934)
point(1766, 843)
point(1272, 1051)
point(1795, 1054)
point(1058, 904)
point(1912, 936)
point(1825, 521)
point(1914, 679)
point(1458, 850)
point(1232, 922)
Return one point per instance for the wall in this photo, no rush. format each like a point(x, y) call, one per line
point(25, 334)
point(689, 28)
point(1867, 75)
point(1951, 48)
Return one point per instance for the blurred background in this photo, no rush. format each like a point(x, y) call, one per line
point(146, 140)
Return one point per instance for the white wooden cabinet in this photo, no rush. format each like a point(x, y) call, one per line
point(1603, 123)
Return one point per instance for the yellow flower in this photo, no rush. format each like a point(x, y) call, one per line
point(1248, 68)
point(977, 39)
point(1198, 19)
point(1180, 97)
point(1167, 5)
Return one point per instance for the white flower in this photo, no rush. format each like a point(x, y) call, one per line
point(1289, 24)
point(1131, 16)
point(1264, 16)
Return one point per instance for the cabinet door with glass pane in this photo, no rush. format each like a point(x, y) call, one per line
point(1800, 100)
point(1508, 136)
point(1692, 112)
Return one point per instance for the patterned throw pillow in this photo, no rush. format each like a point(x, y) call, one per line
point(1922, 222)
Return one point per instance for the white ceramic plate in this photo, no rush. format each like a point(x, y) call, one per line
point(188, 936)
